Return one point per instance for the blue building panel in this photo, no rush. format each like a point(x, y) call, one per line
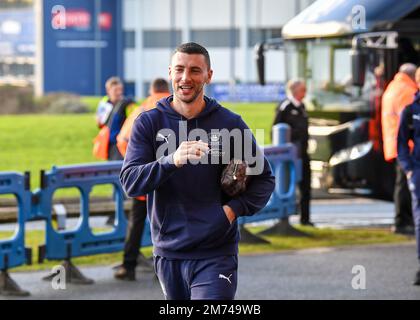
point(81, 45)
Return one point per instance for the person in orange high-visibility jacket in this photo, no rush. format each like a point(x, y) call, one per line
point(158, 90)
point(399, 93)
point(132, 257)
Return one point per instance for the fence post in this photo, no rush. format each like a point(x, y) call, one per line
point(281, 134)
point(13, 252)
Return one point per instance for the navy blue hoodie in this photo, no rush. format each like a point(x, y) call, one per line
point(410, 130)
point(185, 204)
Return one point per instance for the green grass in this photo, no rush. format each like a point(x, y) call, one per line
point(323, 238)
point(317, 238)
point(35, 142)
point(256, 116)
point(91, 102)
point(35, 238)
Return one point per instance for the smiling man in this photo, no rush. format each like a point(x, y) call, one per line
point(193, 222)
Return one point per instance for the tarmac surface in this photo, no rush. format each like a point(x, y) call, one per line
point(323, 273)
point(315, 274)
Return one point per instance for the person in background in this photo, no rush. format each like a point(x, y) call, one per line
point(132, 256)
point(292, 111)
point(158, 89)
point(398, 94)
point(409, 129)
point(112, 111)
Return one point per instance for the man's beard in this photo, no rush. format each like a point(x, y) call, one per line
point(193, 98)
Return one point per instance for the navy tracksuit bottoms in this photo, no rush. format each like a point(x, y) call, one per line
point(213, 278)
point(414, 186)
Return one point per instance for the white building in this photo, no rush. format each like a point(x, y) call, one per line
point(229, 29)
point(149, 30)
point(17, 42)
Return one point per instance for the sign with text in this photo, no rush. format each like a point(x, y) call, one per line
point(80, 45)
point(249, 92)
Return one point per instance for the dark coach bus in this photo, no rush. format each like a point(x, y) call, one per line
point(347, 52)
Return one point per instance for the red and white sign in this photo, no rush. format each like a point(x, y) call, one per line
point(105, 20)
point(78, 19)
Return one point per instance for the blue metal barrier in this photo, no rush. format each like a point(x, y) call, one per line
point(81, 241)
point(282, 202)
point(285, 165)
point(66, 244)
point(12, 251)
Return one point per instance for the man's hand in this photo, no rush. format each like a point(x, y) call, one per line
point(230, 214)
point(189, 150)
point(409, 174)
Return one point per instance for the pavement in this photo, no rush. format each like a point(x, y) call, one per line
point(316, 274)
point(333, 213)
point(322, 273)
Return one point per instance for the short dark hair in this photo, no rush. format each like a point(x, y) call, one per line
point(160, 85)
point(194, 48)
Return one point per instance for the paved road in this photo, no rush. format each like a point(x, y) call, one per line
point(351, 212)
point(335, 213)
point(309, 274)
point(305, 274)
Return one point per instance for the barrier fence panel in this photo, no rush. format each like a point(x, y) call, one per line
point(282, 157)
point(64, 244)
point(12, 251)
point(282, 202)
point(81, 241)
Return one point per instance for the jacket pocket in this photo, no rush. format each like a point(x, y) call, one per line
point(187, 226)
point(208, 224)
point(174, 220)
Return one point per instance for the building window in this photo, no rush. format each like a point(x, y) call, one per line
point(258, 35)
point(216, 38)
point(161, 38)
point(16, 69)
point(15, 3)
point(129, 39)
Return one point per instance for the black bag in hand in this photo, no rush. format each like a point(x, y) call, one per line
point(234, 179)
